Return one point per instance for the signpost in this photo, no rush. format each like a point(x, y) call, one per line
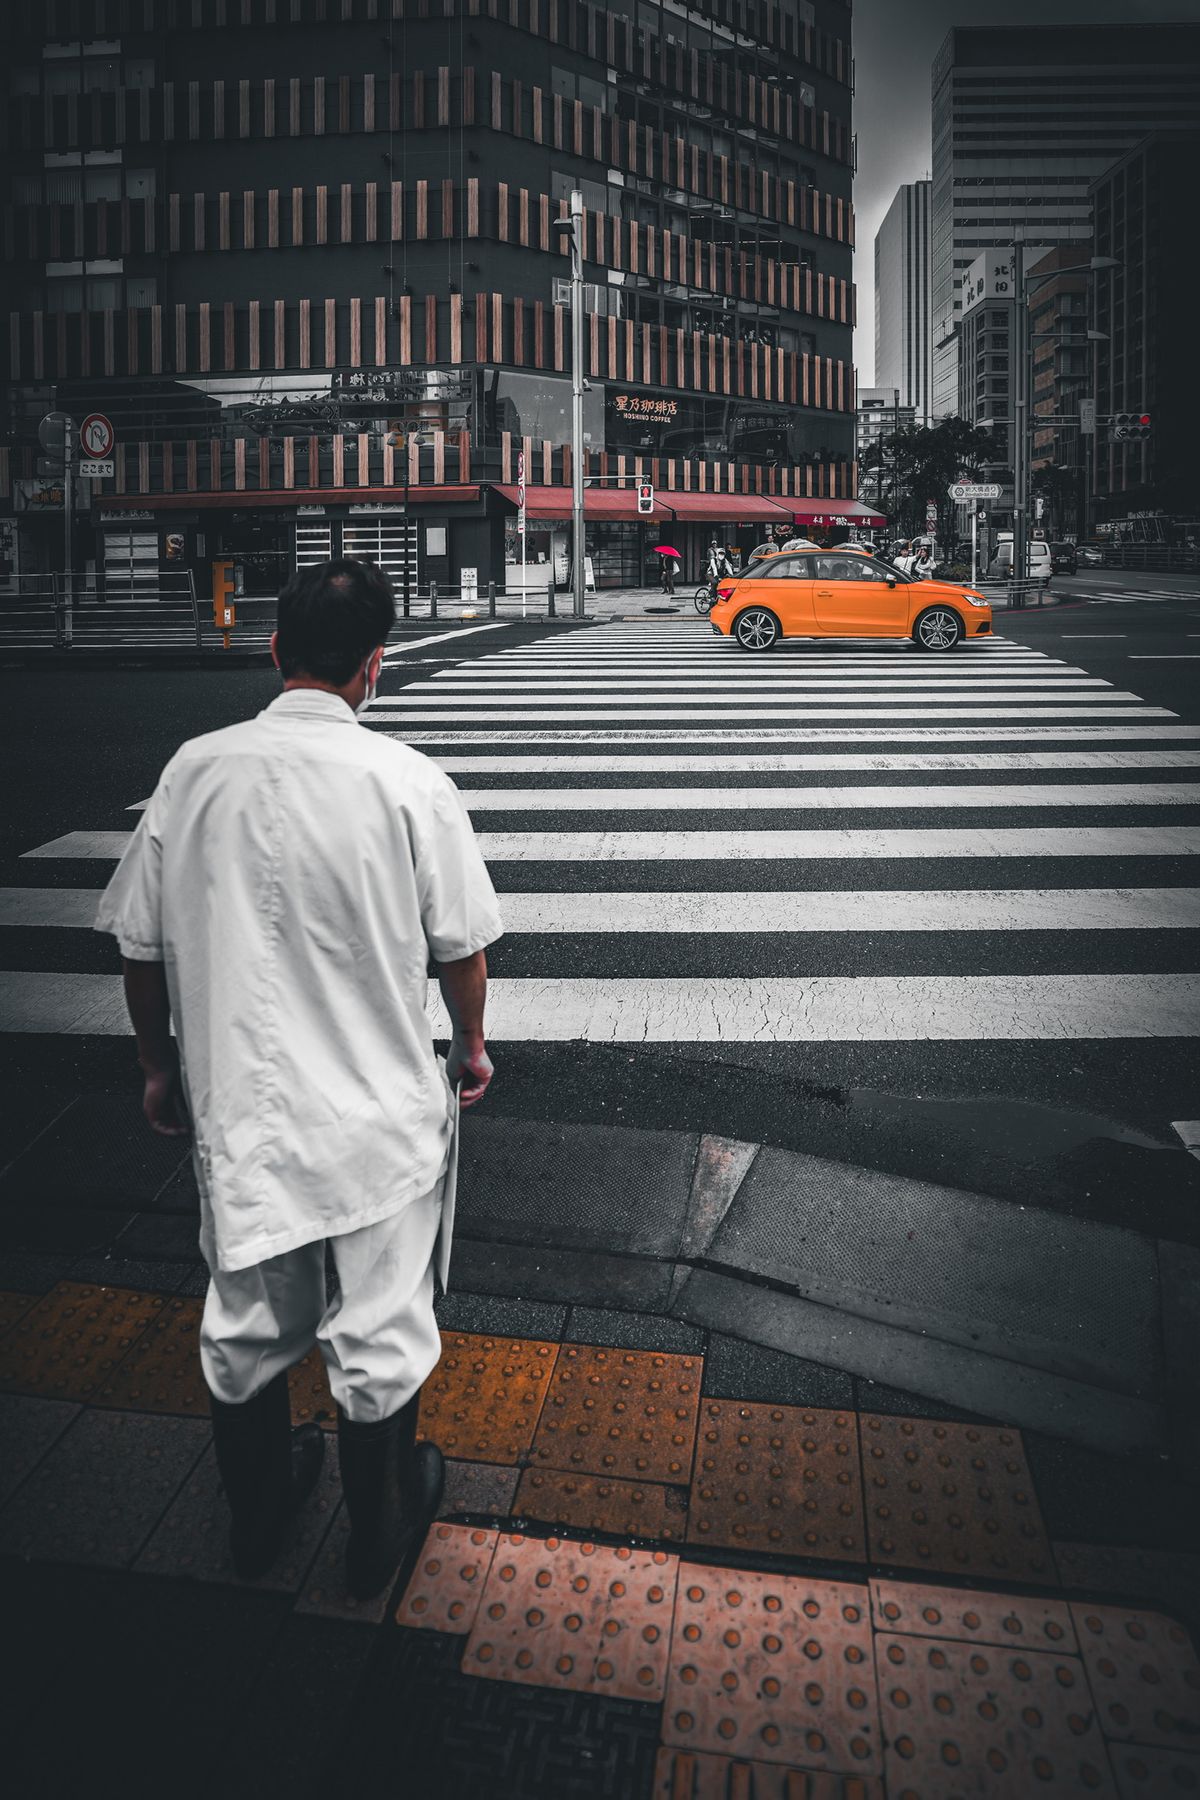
point(973, 492)
point(56, 435)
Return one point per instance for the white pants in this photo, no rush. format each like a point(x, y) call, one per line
point(378, 1335)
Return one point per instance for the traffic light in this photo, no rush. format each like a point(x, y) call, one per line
point(1129, 427)
point(645, 496)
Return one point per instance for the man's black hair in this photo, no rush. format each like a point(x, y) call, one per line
point(331, 616)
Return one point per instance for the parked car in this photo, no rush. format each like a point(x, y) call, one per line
point(1091, 555)
point(1064, 559)
point(844, 593)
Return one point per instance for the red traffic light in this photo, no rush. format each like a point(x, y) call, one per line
point(1143, 418)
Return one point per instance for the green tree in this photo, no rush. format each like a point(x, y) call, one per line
point(920, 462)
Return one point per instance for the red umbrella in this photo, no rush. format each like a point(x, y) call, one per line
point(665, 550)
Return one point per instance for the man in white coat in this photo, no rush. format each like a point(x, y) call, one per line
point(290, 882)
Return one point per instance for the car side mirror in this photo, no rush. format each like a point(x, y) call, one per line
point(891, 581)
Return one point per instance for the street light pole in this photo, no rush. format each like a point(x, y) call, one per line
point(1020, 561)
point(577, 525)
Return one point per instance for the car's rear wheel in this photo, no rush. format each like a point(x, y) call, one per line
point(757, 629)
point(937, 628)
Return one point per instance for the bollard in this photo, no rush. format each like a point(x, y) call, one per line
point(491, 599)
point(433, 613)
point(550, 613)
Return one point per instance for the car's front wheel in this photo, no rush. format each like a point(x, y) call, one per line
point(937, 628)
point(757, 629)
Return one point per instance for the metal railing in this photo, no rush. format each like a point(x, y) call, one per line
point(164, 615)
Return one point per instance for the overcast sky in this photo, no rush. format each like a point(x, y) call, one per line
point(894, 45)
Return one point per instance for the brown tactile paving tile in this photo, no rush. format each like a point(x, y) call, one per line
point(487, 1488)
point(777, 1478)
point(952, 1497)
point(1166, 1578)
point(482, 1401)
point(969, 1615)
point(579, 1616)
point(192, 1541)
point(621, 1412)
point(13, 1307)
point(642, 1509)
point(1144, 1675)
point(1153, 1774)
point(324, 1593)
point(99, 1493)
point(448, 1581)
point(308, 1389)
point(162, 1372)
point(28, 1427)
point(683, 1775)
point(967, 1719)
point(71, 1341)
point(775, 1668)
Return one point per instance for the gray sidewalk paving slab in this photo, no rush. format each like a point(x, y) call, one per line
point(590, 1187)
point(29, 1426)
point(579, 1277)
point(993, 1387)
point(98, 1152)
point(484, 1488)
point(1163, 1578)
point(504, 1317)
point(192, 1539)
point(1179, 1274)
point(1073, 1297)
point(737, 1370)
point(632, 1331)
point(98, 1494)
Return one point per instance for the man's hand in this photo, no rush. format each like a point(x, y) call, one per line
point(163, 1102)
point(469, 1062)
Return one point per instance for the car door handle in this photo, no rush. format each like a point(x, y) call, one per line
point(825, 593)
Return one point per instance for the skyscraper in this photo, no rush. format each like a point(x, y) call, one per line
point(1024, 118)
point(902, 337)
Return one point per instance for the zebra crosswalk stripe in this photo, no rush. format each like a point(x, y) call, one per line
point(672, 721)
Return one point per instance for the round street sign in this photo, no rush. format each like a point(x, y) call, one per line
point(54, 431)
point(97, 436)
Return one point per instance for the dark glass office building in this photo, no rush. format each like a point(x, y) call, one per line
point(300, 252)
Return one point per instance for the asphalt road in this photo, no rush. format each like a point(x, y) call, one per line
point(1076, 1122)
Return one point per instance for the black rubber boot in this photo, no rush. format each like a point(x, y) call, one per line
point(267, 1470)
point(392, 1487)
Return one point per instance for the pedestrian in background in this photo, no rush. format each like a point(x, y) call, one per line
point(670, 568)
point(279, 904)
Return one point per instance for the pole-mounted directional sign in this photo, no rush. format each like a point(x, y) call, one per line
point(973, 490)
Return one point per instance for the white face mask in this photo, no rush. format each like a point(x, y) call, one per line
point(372, 690)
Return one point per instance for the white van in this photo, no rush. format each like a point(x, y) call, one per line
point(1040, 564)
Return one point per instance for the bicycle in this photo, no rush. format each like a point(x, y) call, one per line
point(705, 598)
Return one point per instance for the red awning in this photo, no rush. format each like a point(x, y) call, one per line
point(725, 509)
point(829, 513)
point(598, 503)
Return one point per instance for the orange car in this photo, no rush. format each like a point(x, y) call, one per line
point(844, 593)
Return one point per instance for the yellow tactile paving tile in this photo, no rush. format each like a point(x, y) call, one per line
point(628, 1413)
point(783, 1479)
point(162, 1371)
point(483, 1401)
point(684, 1775)
point(963, 1719)
point(1144, 1675)
point(1154, 1774)
point(773, 1668)
point(972, 1615)
point(593, 1503)
point(571, 1615)
point(956, 1498)
point(14, 1306)
point(71, 1341)
point(448, 1581)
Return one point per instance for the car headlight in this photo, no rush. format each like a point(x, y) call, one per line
point(976, 600)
